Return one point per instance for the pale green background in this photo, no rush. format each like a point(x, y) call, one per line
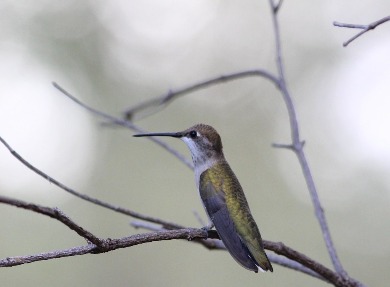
point(114, 54)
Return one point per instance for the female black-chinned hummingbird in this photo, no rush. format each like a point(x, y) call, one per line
point(223, 197)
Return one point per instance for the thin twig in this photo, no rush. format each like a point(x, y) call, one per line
point(126, 124)
point(276, 6)
point(84, 196)
point(335, 278)
point(293, 265)
point(53, 213)
point(297, 147)
point(165, 99)
point(365, 28)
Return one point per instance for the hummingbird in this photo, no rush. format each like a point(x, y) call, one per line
point(223, 197)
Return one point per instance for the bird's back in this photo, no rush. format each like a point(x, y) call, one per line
point(228, 209)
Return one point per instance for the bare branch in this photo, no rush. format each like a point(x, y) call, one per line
point(276, 6)
point(212, 242)
point(217, 244)
point(365, 28)
point(53, 213)
point(287, 146)
point(297, 147)
point(164, 100)
point(108, 245)
point(126, 124)
point(336, 279)
point(87, 197)
point(189, 234)
point(305, 265)
point(97, 245)
point(197, 235)
point(293, 265)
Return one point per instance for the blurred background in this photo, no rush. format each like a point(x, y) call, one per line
point(115, 54)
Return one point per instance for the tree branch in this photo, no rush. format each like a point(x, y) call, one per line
point(297, 147)
point(365, 28)
point(335, 278)
point(276, 6)
point(126, 124)
point(108, 245)
point(87, 197)
point(105, 245)
point(212, 242)
point(163, 100)
point(53, 213)
point(191, 234)
point(283, 261)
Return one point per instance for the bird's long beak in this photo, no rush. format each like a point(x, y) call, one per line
point(175, 135)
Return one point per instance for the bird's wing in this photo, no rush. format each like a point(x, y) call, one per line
point(214, 202)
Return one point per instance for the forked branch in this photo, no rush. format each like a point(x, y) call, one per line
point(162, 101)
point(364, 28)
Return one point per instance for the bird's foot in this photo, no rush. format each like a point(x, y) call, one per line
point(210, 233)
point(208, 227)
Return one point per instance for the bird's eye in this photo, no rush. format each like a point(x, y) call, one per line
point(193, 134)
